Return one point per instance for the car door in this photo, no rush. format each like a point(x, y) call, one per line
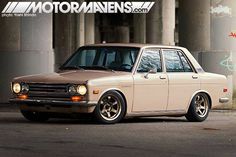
point(183, 80)
point(150, 83)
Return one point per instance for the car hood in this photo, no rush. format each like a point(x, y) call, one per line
point(71, 76)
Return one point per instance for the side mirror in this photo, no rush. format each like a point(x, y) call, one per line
point(151, 71)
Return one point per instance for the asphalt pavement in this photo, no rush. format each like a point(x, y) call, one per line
point(149, 137)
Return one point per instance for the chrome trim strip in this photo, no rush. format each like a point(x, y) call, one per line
point(156, 113)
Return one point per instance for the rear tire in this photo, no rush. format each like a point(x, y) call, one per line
point(111, 108)
point(35, 116)
point(199, 108)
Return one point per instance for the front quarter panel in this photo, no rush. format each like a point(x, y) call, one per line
point(122, 84)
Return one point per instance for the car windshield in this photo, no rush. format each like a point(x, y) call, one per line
point(103, 58)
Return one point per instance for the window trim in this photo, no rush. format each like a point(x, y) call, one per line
point(141, 55)
point(179, 60)
point(191, 66)
point(139, 50)
point(178, 51)
point(182, 61)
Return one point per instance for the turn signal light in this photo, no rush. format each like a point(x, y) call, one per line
point(225, 90)
point(76, 98)
point(95, 91)
point(23, 97)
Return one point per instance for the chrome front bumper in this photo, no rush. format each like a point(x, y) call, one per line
point(57, 106)
point(51, 102)
point(224, 100)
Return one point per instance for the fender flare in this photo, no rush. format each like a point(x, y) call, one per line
point(199, 91)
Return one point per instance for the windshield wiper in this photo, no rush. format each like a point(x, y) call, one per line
point(74, 67)
point(99, 67)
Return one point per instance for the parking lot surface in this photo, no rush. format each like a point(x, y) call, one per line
point(132, 137)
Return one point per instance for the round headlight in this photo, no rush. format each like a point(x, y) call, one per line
point(25, 88)
point(82, 90)
point(16, 87)
point(72, 90)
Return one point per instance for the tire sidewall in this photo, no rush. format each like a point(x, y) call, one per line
point(119, 98)
point(192, 109)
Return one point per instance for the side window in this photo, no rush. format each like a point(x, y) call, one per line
point(187, 67)
point(151, 59)
point(172, 61)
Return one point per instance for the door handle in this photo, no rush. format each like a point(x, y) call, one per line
point(195, 77)
point(162, 77)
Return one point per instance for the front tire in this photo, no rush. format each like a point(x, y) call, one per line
point(199, 108)
point(35, 116)
point(111, 108)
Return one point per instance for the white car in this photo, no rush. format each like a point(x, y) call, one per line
point(114, 81)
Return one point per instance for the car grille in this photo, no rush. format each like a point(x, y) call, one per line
point(48, 91)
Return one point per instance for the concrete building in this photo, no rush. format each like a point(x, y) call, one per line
point(31, 45)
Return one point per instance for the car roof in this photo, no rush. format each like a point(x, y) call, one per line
point(137, 45)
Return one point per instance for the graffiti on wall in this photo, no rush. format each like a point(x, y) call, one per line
point(221, 10)
point(228, 64)
point(232, 34)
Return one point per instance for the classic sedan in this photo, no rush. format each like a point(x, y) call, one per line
point(115, 81)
